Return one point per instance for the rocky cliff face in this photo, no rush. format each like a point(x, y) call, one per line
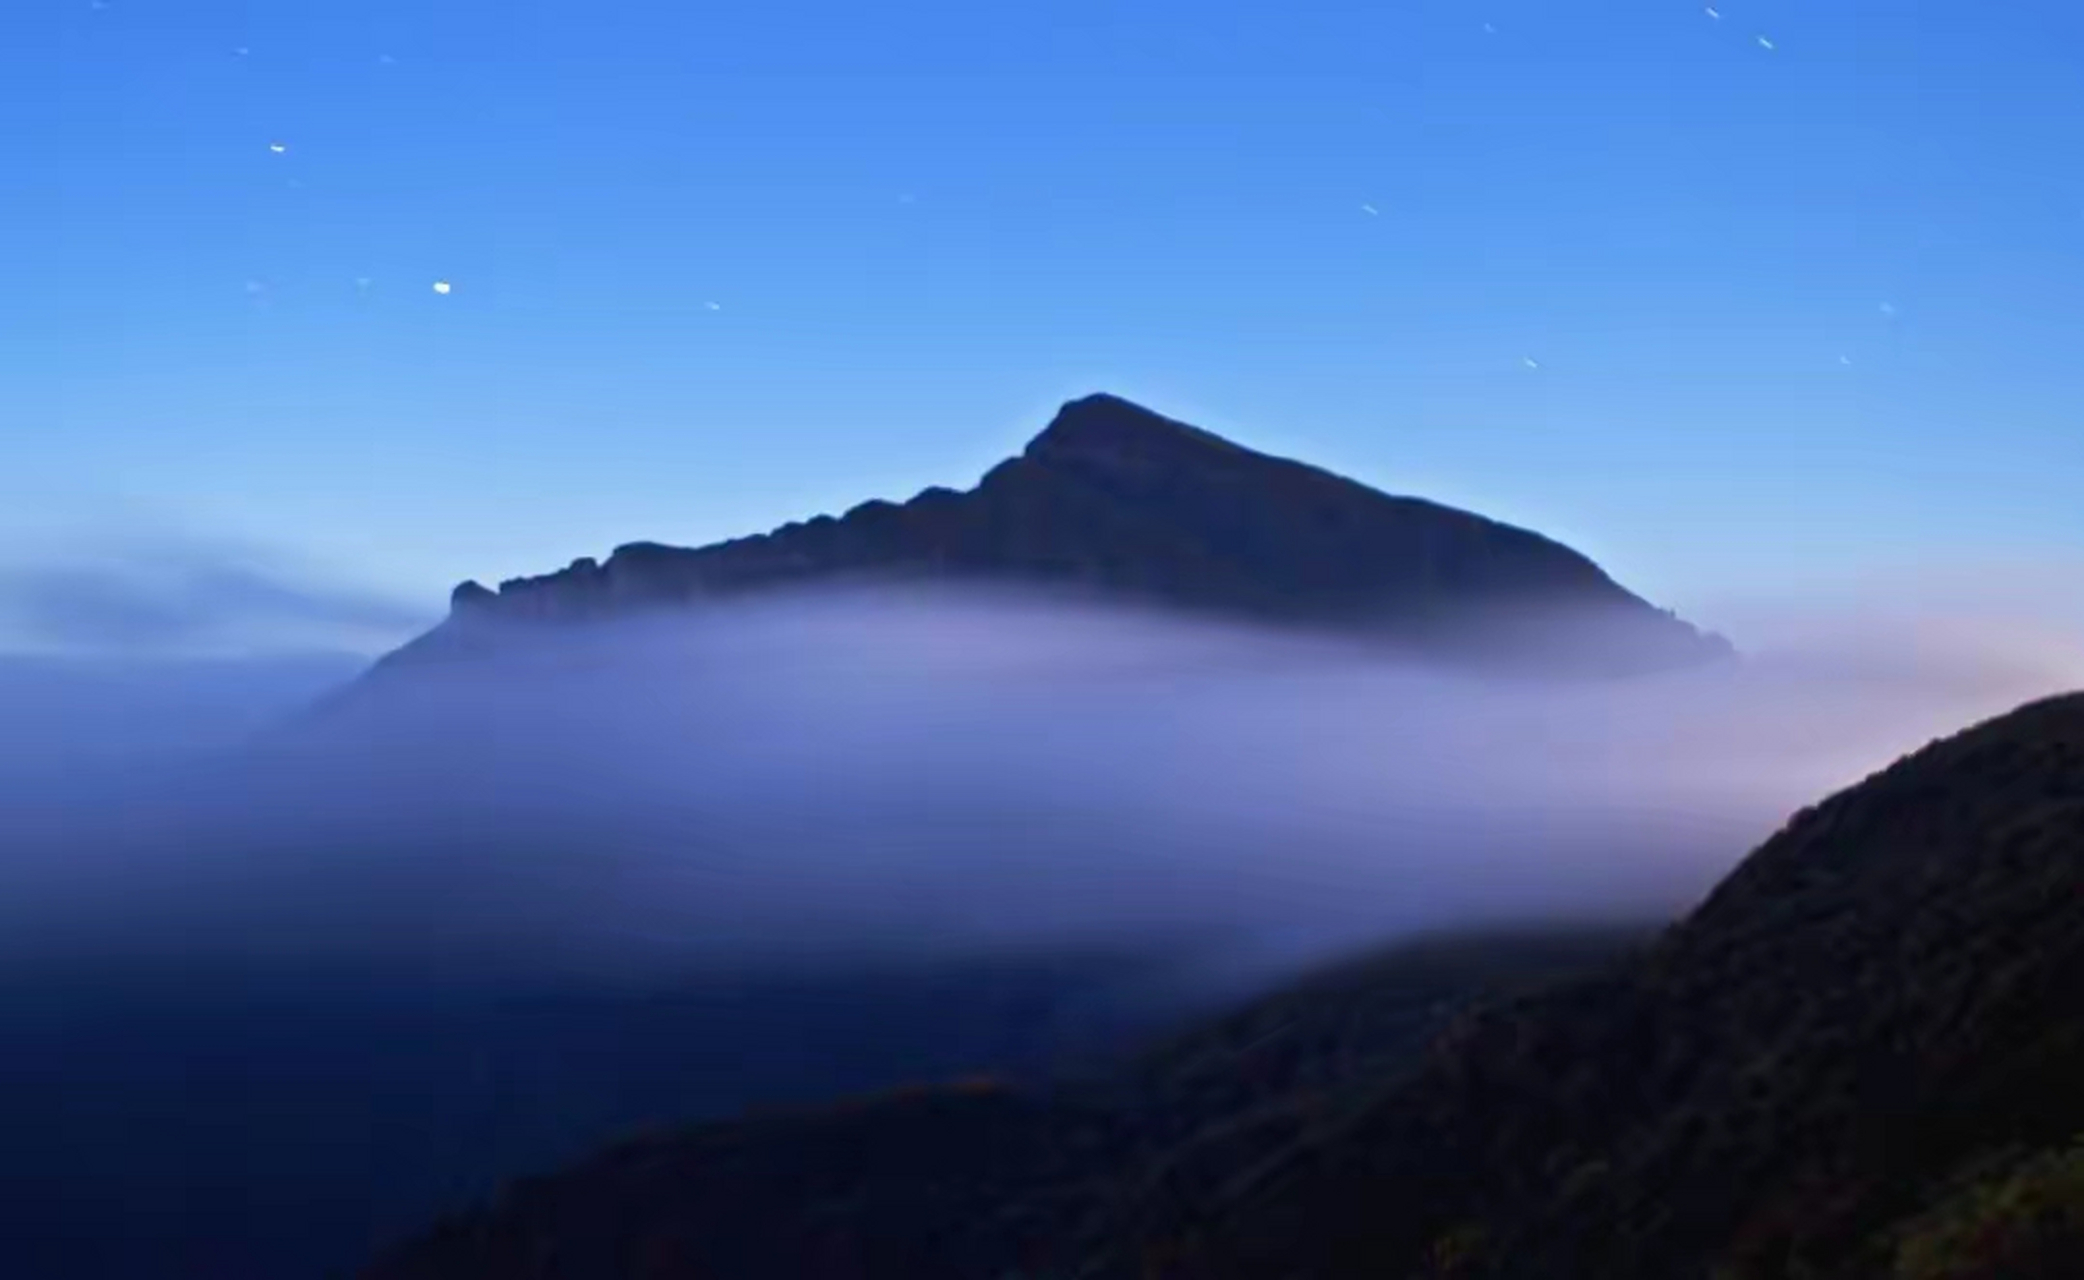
point(1116, 501)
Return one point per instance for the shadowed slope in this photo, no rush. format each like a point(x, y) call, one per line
point(1116, 501)
point(975, 1179)
point(1856, 1059)
point(1884, 996)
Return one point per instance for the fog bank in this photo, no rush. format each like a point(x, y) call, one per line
point(920, 773)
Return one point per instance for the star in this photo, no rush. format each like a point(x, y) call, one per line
point(442, 287)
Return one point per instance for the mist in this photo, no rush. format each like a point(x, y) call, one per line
point(781, 778)
point(300, 976)
point(148, 590)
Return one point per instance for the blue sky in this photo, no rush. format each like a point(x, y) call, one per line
point(922, 225)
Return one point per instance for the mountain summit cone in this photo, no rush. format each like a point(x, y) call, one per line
point(1119, 503)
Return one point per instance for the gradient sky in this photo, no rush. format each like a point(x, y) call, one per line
point(1794, 313)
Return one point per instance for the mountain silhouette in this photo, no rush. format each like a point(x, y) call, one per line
point(1856, 1059)
point(1115, 501)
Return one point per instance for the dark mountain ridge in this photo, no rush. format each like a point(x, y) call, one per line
point(1856, 1060)
point(1116, 501)
point(1880, 1005)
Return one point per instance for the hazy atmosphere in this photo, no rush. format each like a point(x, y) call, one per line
point(920, 769)
point(1498, 464)
point(478, 865)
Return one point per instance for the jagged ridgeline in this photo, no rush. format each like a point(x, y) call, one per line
point(1116, 502)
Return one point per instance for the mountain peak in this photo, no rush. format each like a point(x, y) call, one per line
point(1104, 428)
point(1113, 499)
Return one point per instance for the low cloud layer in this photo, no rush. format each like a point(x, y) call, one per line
point(276, 983)
point(172, 595)
point(81, 718)
point(787, 778)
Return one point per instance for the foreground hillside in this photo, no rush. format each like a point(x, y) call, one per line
point(1869, 1027)
point(981, 1179)
point(1116, 501)
point(1857, 1059)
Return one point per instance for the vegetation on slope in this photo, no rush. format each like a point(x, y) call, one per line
point(2023, 1220)
point(1858, 1059)
point(1887, 993)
